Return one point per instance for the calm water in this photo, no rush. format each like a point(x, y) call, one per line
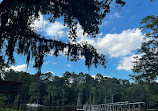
point(44, 108)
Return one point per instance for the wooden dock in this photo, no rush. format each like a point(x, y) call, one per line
point(118, 106)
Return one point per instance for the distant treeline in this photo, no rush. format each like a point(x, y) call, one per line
point(76, 89)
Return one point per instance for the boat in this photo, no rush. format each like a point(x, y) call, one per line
point(80, 109)
point(33, 105)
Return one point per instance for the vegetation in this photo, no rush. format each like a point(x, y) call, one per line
point(2, 99)
point(7, 109)
point(146, 63)
point(17, 36)
point(72, 89)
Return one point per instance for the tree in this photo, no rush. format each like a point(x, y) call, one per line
point(57, 91)
point(23, 77)
point(17, 35)
point(52, 92)
point(146, 63)
point(34, 92)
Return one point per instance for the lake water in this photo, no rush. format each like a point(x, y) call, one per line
point(44, 108)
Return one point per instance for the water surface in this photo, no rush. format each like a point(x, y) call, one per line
point(45, 108)
point(49, 108)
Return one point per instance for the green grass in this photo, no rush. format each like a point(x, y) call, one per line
point(8, 109)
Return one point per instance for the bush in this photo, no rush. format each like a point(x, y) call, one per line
point(2, 99)
point(8, 109)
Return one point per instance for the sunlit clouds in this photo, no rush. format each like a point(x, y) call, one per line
point(22, 67)
point(115, 45)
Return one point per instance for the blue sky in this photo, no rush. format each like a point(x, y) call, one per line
point(118, 39)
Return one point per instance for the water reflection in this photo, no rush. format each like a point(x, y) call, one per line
point(44, 108)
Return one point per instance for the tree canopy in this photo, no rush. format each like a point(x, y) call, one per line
point(146, 63)
point(16, 35)
point(74, 88)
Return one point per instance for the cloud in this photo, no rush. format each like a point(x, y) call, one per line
point(94, 76)
point(50, 72)
point(40, 23)
point(18, 68)
point(51, 29)
point(47, 62)
point(116, 45)
point(56, 29)
point(104, 23)
point(126, 63)
point(115, 15)
point(68, 65)
point(80, 32)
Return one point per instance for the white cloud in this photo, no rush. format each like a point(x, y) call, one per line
point(80, 32)
point(56, 29)
point(2, 74)
point(115, 15)
point(94, 76)
point(68, 65)
point(18, 68)
point(50, 72)
point(157, 81)
point(126, 63)
point(116, 45)
point(104, 23)
point(51, 29)
point(47, 62)
point(40, 23)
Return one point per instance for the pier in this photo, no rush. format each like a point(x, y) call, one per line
point(118, 106)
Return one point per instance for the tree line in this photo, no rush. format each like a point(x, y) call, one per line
point(76, 89)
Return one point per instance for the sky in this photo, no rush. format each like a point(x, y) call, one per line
point(118, 39)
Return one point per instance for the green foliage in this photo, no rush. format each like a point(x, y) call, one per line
point(147, 64)
point(70, 88)
point(2, 101)
point(8, 109)
point(34, 92)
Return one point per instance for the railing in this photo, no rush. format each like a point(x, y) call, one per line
point(118, 106)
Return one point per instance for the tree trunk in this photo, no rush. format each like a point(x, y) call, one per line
point(112, 97)
point(79, 103)
point(93, 98)
point(105, 98)
point(63, 100)
point(52, 100)
point(90, 98)
point(49, 97)
point(58, 101)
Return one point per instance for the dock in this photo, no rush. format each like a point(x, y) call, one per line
point(118, 106)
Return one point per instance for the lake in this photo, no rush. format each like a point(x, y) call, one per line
point(45, 108)
point(49, 108)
